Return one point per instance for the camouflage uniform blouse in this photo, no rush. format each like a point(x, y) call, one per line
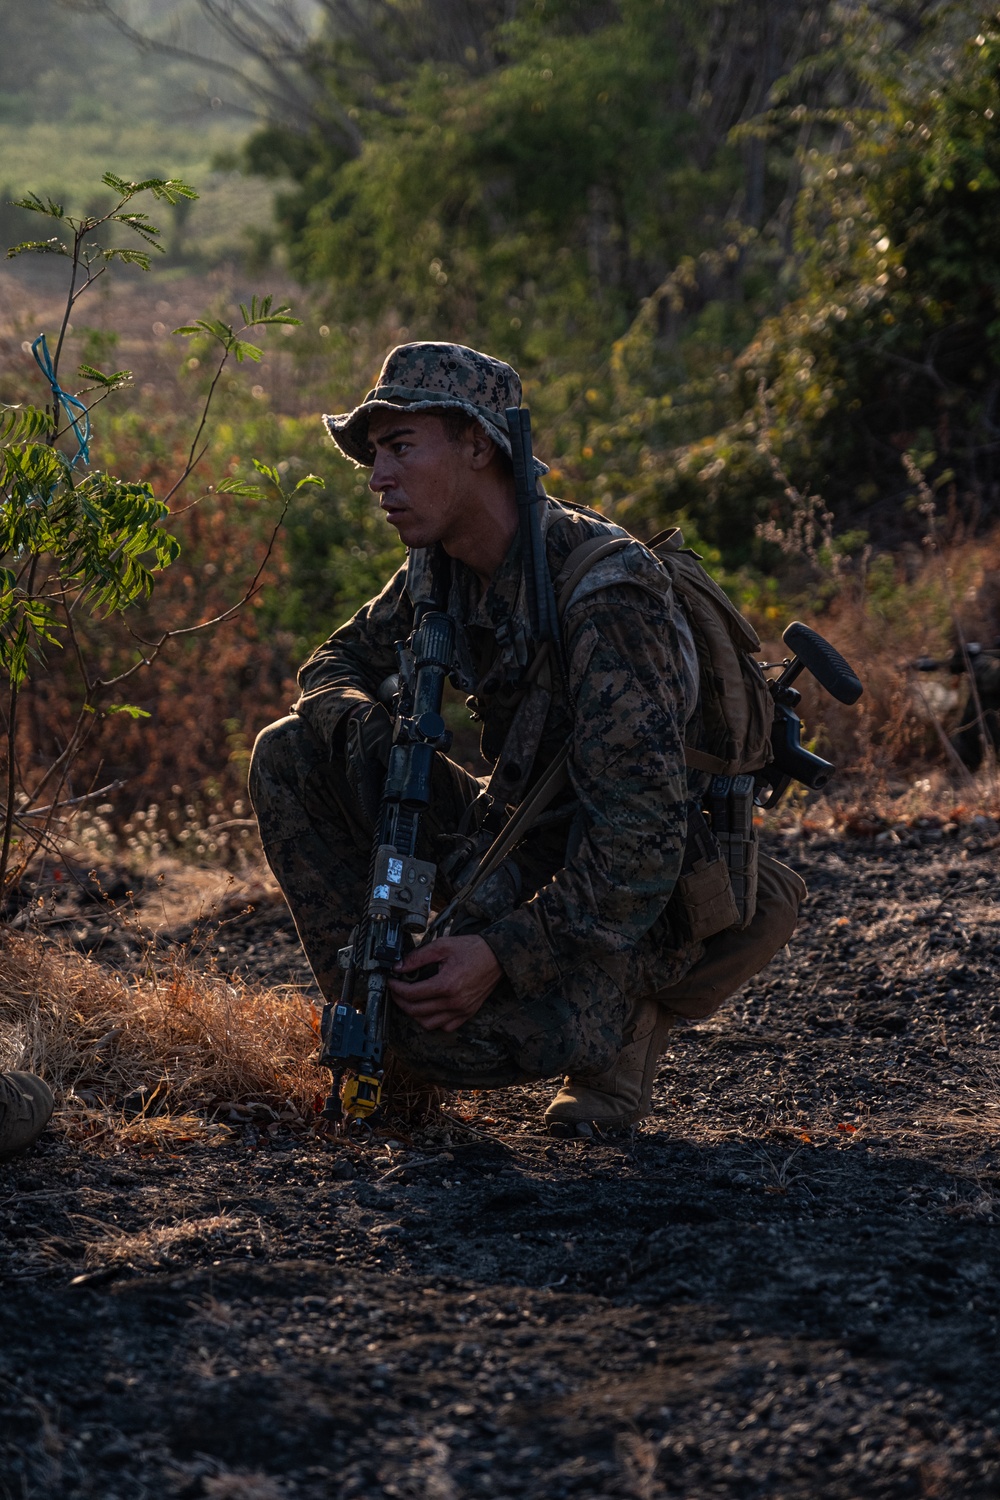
point(603, 889)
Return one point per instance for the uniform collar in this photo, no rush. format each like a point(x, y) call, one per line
point(499, 609)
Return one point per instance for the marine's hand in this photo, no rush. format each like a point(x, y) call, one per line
point(467, 973)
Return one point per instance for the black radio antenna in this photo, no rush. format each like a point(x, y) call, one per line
point(537, 578)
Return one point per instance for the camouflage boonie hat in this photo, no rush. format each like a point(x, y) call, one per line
point(427, 377)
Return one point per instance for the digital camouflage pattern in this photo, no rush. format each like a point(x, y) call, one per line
point(318, 845)
point(26, 1105)
point(597, 927)
point(427, 377)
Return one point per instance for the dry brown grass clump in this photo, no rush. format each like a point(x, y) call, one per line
point(895, 763)
point(157, 1057)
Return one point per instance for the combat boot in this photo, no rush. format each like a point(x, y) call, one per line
point(25, 1106)
point(623, 1094)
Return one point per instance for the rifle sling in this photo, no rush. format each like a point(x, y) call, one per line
point(700, 760)
point(513, 830)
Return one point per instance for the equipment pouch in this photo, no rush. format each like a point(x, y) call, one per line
point(730, 805)
point(704, 888)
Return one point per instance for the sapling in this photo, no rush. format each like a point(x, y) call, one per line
point(78, 542)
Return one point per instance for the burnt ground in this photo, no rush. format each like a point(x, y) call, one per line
point(787, 1283)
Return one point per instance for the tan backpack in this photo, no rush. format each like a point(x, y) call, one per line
point(736, 708)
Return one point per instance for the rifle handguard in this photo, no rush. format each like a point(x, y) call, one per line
point(400, 885)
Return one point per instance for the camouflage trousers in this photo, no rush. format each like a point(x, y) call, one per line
point(318, 844)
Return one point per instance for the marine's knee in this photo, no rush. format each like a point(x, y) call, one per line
point(277, 757)
point(503, 1044)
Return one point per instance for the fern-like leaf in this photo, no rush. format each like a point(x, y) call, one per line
point(109, 382)
point(38, 247)
point(36, 205)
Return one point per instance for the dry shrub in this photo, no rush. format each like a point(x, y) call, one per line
point(156, 1244)
point(151, 1060)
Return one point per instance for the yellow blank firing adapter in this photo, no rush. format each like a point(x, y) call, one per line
point(361, 1096)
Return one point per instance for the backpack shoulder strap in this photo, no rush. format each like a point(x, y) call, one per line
point(588, 555)
point(579, 563)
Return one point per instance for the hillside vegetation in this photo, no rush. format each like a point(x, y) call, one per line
point(708, 236)
point(742, 256)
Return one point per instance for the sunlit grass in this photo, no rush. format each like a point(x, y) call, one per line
point(47, 157)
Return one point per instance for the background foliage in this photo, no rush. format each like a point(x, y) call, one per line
point(741, 252)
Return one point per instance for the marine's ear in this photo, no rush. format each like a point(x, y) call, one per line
point(484, 449)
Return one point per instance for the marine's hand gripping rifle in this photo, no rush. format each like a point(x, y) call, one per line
point(400, 886)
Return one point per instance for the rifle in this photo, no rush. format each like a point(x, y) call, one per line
point(400, 886)
point(962, 659)
point(790, 760)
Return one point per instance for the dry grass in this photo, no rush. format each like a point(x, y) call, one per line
point(248, 1486)
point(156, 1245)
point(895, 610)
point(155, 1059)
point(891, 810)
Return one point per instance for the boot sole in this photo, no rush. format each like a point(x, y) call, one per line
point(588, 1130)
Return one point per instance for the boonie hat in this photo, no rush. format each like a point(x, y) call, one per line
point(429, 377)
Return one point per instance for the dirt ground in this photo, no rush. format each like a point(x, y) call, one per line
point(786, 1284)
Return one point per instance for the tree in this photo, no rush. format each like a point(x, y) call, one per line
point(77, 543)
point(887, 344)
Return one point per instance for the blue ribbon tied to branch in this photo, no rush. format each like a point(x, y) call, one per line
point(79, 417)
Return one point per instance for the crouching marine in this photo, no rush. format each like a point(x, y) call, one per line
point(553, 918)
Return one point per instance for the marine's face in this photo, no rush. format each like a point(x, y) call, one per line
point(421, 476)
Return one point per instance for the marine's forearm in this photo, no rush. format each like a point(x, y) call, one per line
point(346, 671)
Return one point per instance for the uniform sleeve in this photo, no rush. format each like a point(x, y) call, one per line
point(348, 669)
point(627, 770)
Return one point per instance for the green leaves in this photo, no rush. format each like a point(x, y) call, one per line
point(261, 313)
point(20, 424)
point(99, 535)
point(26, 622)
point(127, 257)
point(171, 190)
point(36, 205)
point(168, 190)
point(130, 709)
point(108, 382)
point(140, 225)
point(246, 490)
point(309, 479)
point(78, 546)
point(223, 334)
point(39, 247)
